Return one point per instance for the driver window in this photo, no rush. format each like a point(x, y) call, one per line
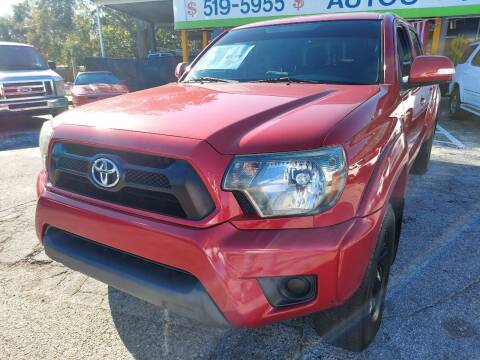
point(404, 52)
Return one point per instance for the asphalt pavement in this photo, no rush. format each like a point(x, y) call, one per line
point(432, 309)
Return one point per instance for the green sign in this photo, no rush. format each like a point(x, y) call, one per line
point(200, 14)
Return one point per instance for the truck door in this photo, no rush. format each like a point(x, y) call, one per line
point(415, 100)
point(472, 82)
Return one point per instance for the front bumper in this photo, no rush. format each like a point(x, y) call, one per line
point(43, 106)
point(157, 284)
point(226, 262)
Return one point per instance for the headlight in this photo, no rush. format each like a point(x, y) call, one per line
point(287, 184)
point(60, 88)
point(44, 141)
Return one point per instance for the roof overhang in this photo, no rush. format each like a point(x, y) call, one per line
point(153, 11)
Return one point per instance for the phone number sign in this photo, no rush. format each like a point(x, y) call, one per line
point(199, 14)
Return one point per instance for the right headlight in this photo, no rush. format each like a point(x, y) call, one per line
point(44, 140)
point(289, 184)
point(60, 88)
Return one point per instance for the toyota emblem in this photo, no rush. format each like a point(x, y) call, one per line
point(105, 173)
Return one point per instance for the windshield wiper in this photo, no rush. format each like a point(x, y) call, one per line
point(209, 79)
point(286, 79)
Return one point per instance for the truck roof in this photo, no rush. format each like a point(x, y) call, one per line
point(313, 18)
point(6, 43)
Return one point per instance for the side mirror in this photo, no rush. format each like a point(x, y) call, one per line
point(181, 69)
point(431, 70)
point(52, 65)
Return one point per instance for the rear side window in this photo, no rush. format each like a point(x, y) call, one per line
point(404, 52)
point(466, 54)
point(416, 43)
point(476, 60)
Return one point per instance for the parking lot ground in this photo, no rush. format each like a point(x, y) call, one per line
point(432, 309)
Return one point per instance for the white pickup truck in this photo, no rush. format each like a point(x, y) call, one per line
point(28, 83)
point(465, 86)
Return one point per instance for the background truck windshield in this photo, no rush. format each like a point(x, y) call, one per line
point(96, 78)
point(343, 52)
point(14, 57)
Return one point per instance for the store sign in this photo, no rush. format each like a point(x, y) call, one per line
point(197, 14)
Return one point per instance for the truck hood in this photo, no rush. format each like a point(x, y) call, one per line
point(15, 75)
point(233, 118)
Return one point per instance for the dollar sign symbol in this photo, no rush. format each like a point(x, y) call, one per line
point(298, 4)
point(192, 8)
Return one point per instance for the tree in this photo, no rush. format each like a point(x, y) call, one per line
point(51, 22)
point(456, 48)
point(119, 33)
point(66, 30)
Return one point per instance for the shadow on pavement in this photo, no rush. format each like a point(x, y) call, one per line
point(150, 332)
point(20, 132)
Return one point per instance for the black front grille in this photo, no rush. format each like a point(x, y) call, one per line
point(73, 164)
point(147, 182)
point(153, 201)
point(147, 178)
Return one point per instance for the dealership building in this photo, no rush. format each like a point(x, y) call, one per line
point(438, 22)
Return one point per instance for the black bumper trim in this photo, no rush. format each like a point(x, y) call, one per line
point(178, 291)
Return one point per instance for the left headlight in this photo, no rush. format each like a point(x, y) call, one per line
point(44, 140)
point(60, 88)
point(289, 184)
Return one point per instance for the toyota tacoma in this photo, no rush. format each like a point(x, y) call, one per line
point(268, 183)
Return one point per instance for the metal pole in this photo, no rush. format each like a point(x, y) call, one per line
point(478, 29)
point(73, 65)
point(100, 32)
point(204, 39)
point(436, 35)
point(443, 36)
point(184, 38)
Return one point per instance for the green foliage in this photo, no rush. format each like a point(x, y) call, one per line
point(119, 33)
point(456, 48)
point(66, 30)
point(167, 38)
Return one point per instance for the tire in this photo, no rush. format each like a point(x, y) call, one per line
point(454, 108)
point(58, 112)
point(354, 325)
point(420, 165)
point(398, 208)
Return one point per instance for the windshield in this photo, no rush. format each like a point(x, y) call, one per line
point(100, 78)
point(14, 57)
point(343, 52)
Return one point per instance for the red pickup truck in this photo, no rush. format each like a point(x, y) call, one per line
point(267, 184)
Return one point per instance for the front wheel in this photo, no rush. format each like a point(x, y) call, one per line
point(455, 107)
point(420, 165)
point(354, 325)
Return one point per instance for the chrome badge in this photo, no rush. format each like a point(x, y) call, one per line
point(105, 173)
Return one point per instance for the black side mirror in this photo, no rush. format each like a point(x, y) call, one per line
point(52, 65)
